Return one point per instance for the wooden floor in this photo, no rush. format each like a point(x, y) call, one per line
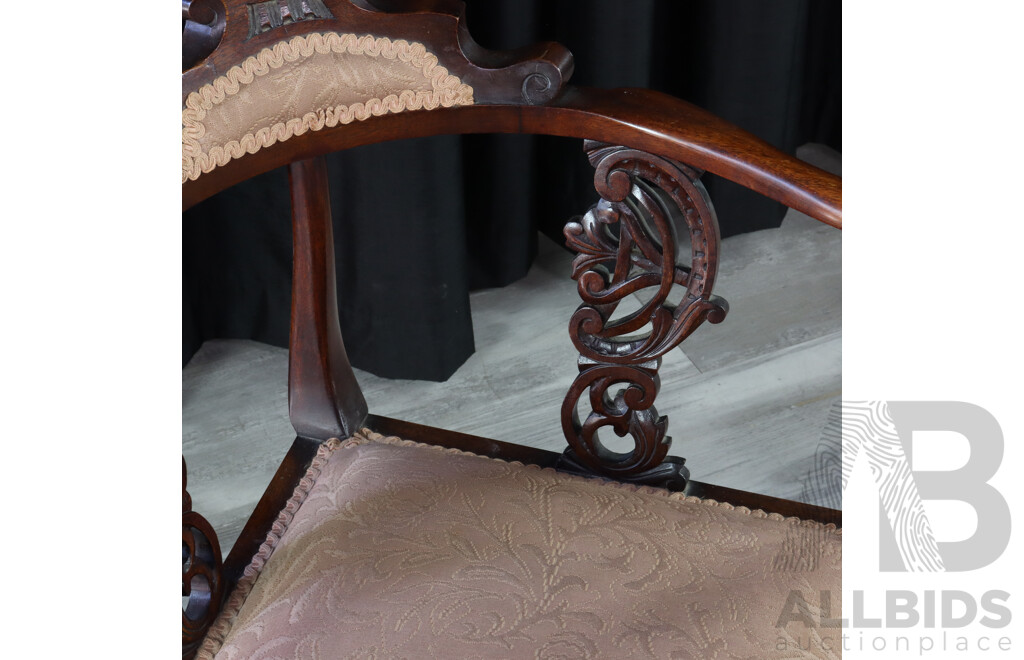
point(748, 400)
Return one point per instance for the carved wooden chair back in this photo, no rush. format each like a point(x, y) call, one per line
point(283, 82)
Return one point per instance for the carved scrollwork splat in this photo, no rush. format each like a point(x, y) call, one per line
point(628, 244)
point(202, 580)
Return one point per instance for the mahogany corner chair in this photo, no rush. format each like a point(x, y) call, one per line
point(381, 538)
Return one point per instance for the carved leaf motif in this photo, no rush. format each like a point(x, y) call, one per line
point(647, 433)
point(591, 239)
point(583, 263)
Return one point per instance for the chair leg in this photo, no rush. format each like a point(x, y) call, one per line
point(324, 399)
point(202, 580)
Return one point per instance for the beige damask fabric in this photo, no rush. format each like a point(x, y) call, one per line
point(305, 84)
point(392, 549)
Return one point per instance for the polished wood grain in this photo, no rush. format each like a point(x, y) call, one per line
point(324, 399)
point(636, 118)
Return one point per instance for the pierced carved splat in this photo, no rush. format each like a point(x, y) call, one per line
point(627, 244)
point(265, 16)
point(202, 579)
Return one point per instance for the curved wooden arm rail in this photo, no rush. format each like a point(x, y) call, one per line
point(652, 152)
point(637, 118)
point(520, 91)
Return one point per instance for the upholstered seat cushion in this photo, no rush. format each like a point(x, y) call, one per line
point(392, 549)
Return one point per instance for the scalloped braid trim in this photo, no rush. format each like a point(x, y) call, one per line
point(406, 65)
point(220, 628)
point(366, 435)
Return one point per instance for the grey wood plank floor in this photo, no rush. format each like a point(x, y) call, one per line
point(748, 400)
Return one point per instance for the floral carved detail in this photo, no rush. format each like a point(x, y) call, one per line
point(628, 244)
point(201, 573)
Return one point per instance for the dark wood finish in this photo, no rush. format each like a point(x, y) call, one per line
point(202, 580)
point(544, 458)
point(202, 30)
point(472, 443)
point(627, 243)
point(644, 184)
point(265, 16)
point(635, 118)
point(324, 399)
point(530, 75)
point(755, 501)
point(522, 91)
point(671, 473)
point(277, 494)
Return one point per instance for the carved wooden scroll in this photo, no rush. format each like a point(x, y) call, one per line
point(201, 30)
point(220, 34)
point(201, 573)
point(628, 244)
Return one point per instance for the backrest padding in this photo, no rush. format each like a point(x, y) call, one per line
point(307, 83)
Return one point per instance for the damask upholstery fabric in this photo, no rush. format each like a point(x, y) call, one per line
point(392, 549)
point(308, 83)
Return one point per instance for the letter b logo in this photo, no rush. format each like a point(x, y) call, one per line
point(883, 431)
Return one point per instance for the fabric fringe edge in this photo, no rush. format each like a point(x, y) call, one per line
point(366, 435)
point(218, 632)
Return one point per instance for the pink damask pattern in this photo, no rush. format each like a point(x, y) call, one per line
point(401, 550)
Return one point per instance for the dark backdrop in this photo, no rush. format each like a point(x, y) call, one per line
point(416, 239)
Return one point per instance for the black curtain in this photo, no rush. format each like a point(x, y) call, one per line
point(412, 240)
